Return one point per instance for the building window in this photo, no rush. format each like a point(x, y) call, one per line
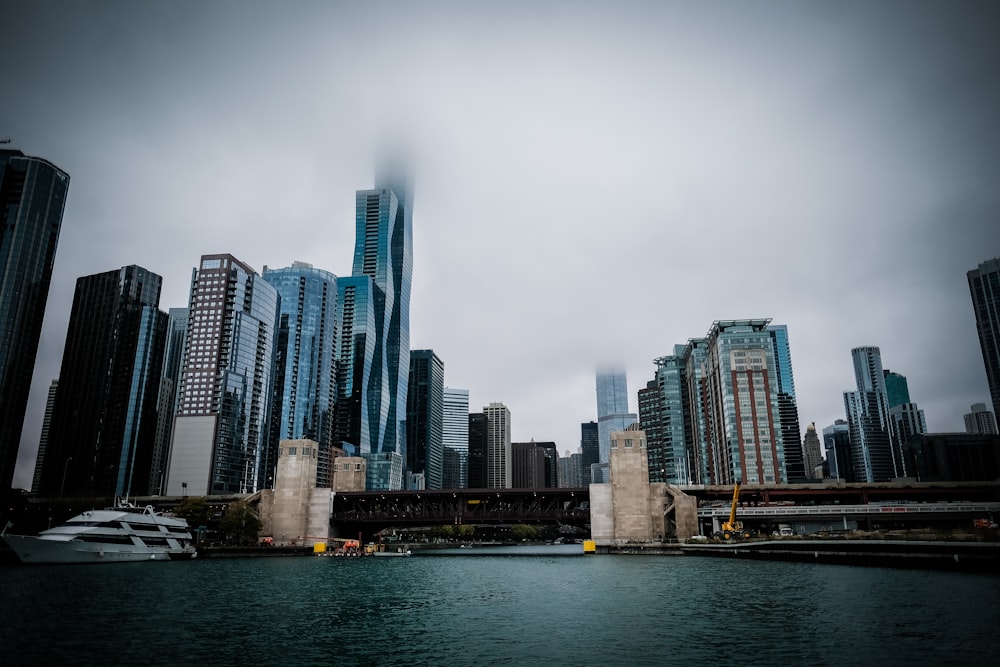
point(628, 443)
point(291, 451)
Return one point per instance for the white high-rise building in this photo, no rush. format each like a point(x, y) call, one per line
point(981, 420)
point(455, 438)
point(498, 457)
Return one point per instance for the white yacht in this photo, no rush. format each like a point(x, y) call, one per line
point(115, 535)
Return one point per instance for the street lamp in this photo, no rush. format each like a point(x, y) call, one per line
point(62, 489)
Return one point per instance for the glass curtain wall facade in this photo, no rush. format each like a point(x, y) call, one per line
point(612, 407)
point(694, 356)
point(662, 416)
point(170, 381)
point(455, 438)
point(103, 428)
point(221, 426)
point(867, 411)
point(788, 409)
point(425, 418)
point(984, 286)
point(304, 395)
point(32, 199)
point(355, 363)
point(837, 442)
point(384, 252)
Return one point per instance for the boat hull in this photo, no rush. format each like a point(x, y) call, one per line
point(33, 550)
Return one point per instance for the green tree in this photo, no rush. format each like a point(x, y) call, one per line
point(196, 510)
point(240, 523)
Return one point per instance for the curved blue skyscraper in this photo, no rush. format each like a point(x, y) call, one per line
point(383, 251)
point(305, 388)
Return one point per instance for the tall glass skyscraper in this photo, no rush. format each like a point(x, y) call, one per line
point(662, 415)
point(612, 407)
point(788, 409)
point(170, 382)
point(740, 393)
point(868, 418)
point(984, 285)
point(32, 199)
point(425, 418)
point(355, 363)
point(221, 424)
point(590, 450)
point(304, 396)
point(455, 438)
point(498, 444)
point(103, 428)
point(384, 252)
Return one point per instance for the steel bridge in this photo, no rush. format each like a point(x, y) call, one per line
point(368, 512)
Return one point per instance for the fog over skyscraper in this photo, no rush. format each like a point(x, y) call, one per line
point(32, 199)
point(383, 251)
point(612, 407)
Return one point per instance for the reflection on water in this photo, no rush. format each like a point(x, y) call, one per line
point(511, 605)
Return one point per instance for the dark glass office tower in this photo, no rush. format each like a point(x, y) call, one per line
point(425, 418)
point(984, 284)
point(590, 449)
point(103, 426)
point(304, 397)
point(32, 199)
point(383, 251)
point(478, 442)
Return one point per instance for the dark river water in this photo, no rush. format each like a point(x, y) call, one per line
point(508, 606)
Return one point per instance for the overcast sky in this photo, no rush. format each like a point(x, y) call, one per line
point(594, 182)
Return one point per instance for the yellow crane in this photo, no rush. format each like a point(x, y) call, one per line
point(733, 529)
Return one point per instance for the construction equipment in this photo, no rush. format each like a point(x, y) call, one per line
point(733, 529)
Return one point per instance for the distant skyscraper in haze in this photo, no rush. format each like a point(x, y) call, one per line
point(105, 412)
point(897, 389)
point(32, 199)
point(788, 411)
point(425, 418)
point(868, 417)
point(980, 420)
point(812, 452)
point(837, 442)
point(571, 471)
point(455, 438)
point(984, 285)
point(383, 251)
point(590, 450)
point(498, 456)
point(221, 425)
point(612, 407)
point(304, 396)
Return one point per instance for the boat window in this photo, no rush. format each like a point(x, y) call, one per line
point(104, 539)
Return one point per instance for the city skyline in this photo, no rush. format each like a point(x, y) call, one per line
point(681, 164)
